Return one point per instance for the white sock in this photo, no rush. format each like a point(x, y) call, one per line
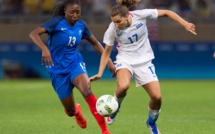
point(153, 115)
point(119, 100)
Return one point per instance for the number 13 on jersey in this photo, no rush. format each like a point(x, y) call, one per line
point(72, 41)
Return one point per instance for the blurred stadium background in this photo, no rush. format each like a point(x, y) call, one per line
point(179, 55)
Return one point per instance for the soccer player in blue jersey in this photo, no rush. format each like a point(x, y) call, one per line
point(64, 62)
point(135, 55)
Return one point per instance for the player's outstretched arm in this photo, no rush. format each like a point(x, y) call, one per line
point(190, 27)
point(99, 49)
point(214, 55)
point(103, 62)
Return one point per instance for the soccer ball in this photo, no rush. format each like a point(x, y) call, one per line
point(106, 105)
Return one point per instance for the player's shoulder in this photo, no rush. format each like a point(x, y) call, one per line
point(145, 14)
point(52, 23)
point(140, 11)
point(112, 26)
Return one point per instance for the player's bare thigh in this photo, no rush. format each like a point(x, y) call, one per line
point(123, 81)
point(82, 84)
point(153, 89)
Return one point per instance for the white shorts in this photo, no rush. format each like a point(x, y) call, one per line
point(142, 73)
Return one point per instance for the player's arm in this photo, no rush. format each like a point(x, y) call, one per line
point(103, 62)
point(35, 37)
point(190, 27)
point(99, 48)
point(96, 44)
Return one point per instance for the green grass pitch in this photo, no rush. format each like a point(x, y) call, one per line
point(32, 107)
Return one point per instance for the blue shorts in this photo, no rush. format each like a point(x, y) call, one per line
point(62, 83)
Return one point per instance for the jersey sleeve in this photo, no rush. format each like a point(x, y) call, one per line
point(109, 36)
point(147, 14)
point(87, 33)
point(51, 24)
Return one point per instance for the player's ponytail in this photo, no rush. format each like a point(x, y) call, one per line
point(128, 3)
point(59, 9)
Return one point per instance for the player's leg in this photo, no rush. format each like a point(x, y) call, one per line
point(153, 89)
point(123, 82)
point(63, 88)
point(72, 109)
point(82, 84)
point(145, 76)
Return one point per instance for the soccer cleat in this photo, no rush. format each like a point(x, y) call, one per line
point(110, 120)
point(153, 128)
point(106, 132)
point(80, 120)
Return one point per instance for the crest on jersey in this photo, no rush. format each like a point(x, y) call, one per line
point(139, 25)
point(80, 32)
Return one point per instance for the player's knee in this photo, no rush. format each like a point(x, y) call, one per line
point(87, 93)
point(157, 99)
point(123, 86)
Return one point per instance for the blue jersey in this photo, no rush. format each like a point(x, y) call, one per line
point(63, 40)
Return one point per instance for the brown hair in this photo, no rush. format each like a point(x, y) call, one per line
point(128, 3)
point(119, 10)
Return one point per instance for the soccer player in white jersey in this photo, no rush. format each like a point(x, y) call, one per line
point(135, 55)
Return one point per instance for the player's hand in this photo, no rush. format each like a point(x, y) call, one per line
point(214, 55)
point(190, 27)
point(113, 71)
point(46, 58)
point(111, 68)
point(94, 78)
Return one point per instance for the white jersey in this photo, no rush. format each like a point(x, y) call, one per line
point(133, 43)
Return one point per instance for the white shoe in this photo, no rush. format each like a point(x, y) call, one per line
point(108, 120)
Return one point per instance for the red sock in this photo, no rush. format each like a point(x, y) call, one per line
point(91, 101)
